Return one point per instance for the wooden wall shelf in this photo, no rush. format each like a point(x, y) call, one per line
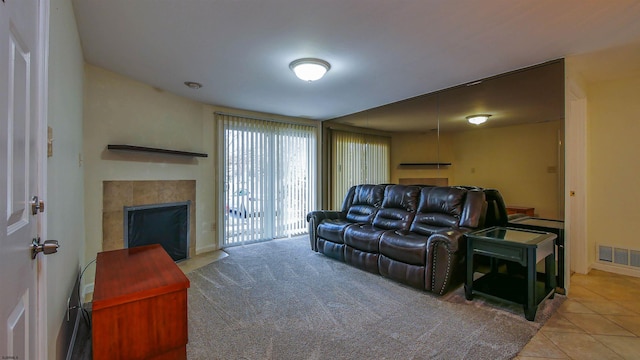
point(427, 164)
point(155, 150)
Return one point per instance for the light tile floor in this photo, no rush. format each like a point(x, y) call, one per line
point(599, 320)
point(201, 260)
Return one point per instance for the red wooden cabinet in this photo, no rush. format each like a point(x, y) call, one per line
point(139, 305)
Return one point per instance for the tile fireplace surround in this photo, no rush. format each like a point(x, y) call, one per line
point(118, 194)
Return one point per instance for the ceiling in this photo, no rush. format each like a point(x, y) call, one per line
point(380, 51)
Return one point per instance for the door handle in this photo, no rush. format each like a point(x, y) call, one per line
point(48, 247)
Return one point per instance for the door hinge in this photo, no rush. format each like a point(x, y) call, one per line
point(36, 205)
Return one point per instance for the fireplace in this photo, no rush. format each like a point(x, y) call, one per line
point(165, 224)
point(118, 194)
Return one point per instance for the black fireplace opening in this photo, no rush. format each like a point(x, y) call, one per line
point(165, 224)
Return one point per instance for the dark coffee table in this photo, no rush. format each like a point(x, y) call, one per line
point(526, 247)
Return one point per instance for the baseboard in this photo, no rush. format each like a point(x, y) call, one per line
point(615, 269)
point(206, 249)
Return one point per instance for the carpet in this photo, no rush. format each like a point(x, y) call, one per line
point(280, 300)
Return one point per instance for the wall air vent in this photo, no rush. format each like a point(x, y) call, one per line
point(634, 258)
point(621, 256)
point(605, 253)
point(629, 258)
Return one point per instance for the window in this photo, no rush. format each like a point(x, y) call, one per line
point(357, 159)
point(269, 178)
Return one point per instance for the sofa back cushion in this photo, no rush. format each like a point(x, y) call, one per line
point(439, 207)
point(496, 209)
point(365, 202)
point(474, 210)
point(398, 207)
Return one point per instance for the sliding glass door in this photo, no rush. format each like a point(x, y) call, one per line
point(269, 178)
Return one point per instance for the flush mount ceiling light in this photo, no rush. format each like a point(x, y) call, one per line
point(478, 119)
point(309, 69)
point(193, 85)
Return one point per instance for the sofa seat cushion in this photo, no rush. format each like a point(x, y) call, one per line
point(363, 237)
point(404, 246)
point(333, 229)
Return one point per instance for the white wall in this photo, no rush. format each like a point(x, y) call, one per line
point(64, 202)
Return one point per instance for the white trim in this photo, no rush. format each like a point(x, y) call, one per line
point(620, 270)
point(576, 181)
point(42, 339)
point(206, 249)
point(219, 184)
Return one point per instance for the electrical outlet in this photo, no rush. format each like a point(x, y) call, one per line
point(214, 226)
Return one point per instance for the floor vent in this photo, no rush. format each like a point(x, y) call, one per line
point(618, 256)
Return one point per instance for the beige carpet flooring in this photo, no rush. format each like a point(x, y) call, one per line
point(280, 300)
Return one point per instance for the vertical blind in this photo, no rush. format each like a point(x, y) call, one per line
point(269, 178)
point(357, 159)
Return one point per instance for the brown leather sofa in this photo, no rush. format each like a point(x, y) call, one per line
point(411, 234)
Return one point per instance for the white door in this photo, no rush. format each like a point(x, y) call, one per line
point(20, 92)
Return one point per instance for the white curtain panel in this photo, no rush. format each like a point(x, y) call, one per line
point(357, 159)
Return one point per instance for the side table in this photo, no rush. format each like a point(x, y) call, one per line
point(526, 247)
point(552, 226)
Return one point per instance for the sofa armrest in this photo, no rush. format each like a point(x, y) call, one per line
point(319, 215)
point(452, 239)
point(446, 251)
point(315, 218)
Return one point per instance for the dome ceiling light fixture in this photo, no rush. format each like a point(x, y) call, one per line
point(309, 69)
point(193, 85)
point(478, 118)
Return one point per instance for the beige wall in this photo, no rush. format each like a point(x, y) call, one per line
point(118, 110)
point(520, 161)
point(516, 160)
point(602, 164)
point(64, 201)
point(613, 167)
point(420, 148)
